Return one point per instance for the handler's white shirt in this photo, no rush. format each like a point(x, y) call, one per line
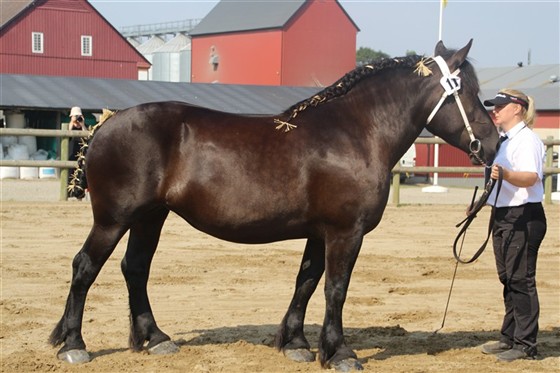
point(522, 151)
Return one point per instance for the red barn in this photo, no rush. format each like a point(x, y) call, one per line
point(270, 42)
point(64, 38)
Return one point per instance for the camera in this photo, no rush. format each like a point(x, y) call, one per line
point(80, 119)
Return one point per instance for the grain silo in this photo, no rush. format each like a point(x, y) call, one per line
point(172, 61)
point(148, 48)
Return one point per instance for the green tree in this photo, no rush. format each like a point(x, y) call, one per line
point(366, 55)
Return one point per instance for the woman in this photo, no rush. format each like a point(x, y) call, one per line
point(76, 123)
point(519, 223)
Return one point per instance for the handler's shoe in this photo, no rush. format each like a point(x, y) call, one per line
point(495, 348)
point(515, 354)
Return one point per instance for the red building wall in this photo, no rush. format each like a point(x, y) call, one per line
point(319, 46)
point(243, 58)
point(62, 23)
point(548, 119)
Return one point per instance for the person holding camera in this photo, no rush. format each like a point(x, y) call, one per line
point(77, 123)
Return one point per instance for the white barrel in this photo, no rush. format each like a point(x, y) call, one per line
point(29, 173)
point(48, 173)
point(15, 120)
point(9, 172)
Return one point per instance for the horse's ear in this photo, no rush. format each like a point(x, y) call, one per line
point(440, 49)
point(459, 57)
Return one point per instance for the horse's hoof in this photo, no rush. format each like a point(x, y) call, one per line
point(301, 355)
point(347, 365)
point(75, 356)
point(164, 348)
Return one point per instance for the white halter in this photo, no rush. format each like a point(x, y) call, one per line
point(451, 84)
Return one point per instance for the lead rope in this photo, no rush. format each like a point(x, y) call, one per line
point(473, 210)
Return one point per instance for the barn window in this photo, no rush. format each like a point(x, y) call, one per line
point(37, 42)
point(86, 45)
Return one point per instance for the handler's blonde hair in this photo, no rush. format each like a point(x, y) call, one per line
point(529, 113)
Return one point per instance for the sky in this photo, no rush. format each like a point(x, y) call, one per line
point(504, 32)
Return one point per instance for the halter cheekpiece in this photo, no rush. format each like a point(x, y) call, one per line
point(451, 83)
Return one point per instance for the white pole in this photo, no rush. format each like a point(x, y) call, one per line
point(436, 147)
point(436, 162)
point(556, 195)
point(435, 188)
point(440, 20)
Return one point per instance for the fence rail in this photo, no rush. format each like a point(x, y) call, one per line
point(64, 164)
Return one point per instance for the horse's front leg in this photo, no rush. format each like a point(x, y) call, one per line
point(290, 338)
point(85, 267)
point(142, 244)
point(341, 254)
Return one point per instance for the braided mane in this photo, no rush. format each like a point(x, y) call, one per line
point(346, 83)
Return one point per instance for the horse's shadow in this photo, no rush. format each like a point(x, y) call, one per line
point(389, 341)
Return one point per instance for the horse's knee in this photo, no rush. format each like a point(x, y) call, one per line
point(84, 272)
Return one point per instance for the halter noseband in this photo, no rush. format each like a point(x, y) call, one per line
point(451, 84)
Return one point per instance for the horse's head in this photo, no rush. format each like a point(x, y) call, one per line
point(457, 115)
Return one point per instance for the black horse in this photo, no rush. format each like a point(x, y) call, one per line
point(237, 178)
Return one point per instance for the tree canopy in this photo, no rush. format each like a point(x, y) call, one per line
point(365, 55)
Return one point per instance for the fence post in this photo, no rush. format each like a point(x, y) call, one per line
point(396, 188)
point(64, 143)
point(548, 178)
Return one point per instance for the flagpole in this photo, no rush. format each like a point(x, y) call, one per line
point(440, 20)
point(435, 188)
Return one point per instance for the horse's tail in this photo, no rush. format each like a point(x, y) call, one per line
point(78, 183)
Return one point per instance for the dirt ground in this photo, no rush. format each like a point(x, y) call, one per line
point(222, 302)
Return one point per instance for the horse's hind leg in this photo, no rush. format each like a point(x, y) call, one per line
point(142, 244)
point(290, 337)
point(85, 267)
point(341, 254)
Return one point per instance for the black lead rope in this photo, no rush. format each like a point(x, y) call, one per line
point(473, 210)
point(472, 215)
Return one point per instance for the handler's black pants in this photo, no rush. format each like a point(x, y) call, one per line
point(517, 235)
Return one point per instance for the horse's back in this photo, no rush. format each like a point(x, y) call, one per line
point(179, 155)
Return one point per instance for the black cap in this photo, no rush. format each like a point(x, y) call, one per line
point(504, 99)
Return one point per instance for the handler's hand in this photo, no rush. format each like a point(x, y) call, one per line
point(496, 173)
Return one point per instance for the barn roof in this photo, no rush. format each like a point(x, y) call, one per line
point(540, 81)
point(10, 9)
point(58, 93)
point(234, 16)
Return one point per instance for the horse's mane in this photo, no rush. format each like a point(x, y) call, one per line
point(348, 81)
point(345, 84)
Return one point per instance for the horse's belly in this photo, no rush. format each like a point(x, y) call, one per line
point(247, 217)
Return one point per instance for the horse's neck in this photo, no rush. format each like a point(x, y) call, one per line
point(393, 119)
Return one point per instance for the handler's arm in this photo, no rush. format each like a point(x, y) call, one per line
point(521, 179)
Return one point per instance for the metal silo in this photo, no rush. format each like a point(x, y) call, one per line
point(148, 48)
point(172, 61)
